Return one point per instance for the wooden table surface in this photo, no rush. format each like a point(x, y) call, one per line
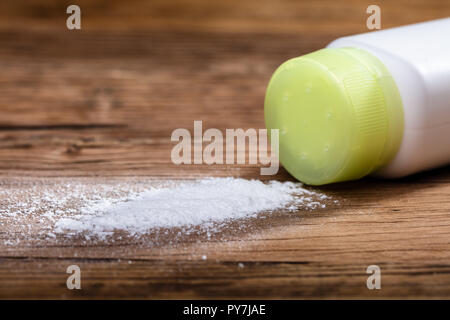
point(98, 105)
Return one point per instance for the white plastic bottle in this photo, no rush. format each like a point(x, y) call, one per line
point(416, 60)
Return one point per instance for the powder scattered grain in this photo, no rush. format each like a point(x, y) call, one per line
point(99, 210)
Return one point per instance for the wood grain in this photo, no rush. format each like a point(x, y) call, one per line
point(100, 105)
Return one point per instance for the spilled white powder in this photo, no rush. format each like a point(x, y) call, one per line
point(188, 204)
point(84, 209)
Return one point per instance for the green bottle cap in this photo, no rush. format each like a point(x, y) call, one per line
point(339, 115)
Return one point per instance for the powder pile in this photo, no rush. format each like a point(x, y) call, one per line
point(100, 210)
point(188, 204)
